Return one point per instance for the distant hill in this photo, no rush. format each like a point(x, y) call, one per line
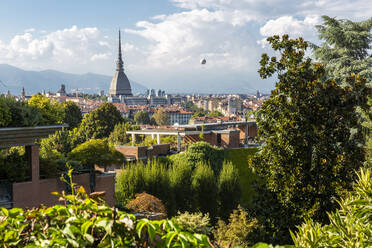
point(13, 79)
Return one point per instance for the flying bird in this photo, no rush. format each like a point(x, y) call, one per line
point(203, 61)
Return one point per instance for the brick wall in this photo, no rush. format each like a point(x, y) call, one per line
point(139, 152)
point(28, 195)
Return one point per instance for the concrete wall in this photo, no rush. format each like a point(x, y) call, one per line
point(144, 152)
point(33, 194)
point(162, 149)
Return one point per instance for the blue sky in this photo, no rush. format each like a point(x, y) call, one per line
point(164, 40)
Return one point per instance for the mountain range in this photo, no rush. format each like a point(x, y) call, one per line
point(13, 79)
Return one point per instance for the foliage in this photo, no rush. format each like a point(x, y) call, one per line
point(305, 124)
point(349, 226)
point(100, 123)
point(215, 113)
point(51, 110)
point(193, 222)
point(19, 114)
point(84, 222)
point(237, 231)
point(228, 189)
point(13, 165)
point(97, 151)
point(161, 117)
point(146, 203)
point(180, 180)
point(190, 106)
point(151, 178)
point(204, 189)
point(178, 185)
point(240, 159)
point(346, 48)
point(119, 135)
point(147, 141)
point(59, 142)
point(5, 115)
point(203, 152)
point(72, 114)
point(142, 117)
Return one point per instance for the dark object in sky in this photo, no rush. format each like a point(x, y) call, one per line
point(203, 61)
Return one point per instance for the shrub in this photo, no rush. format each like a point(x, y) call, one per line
point(350, 225)
point(194, 222)
point(228, 189)
point(151, 178)
point(180, 180)
point(146, 203)
point(204, 188)
point(237, 231)
point(203, 152)
point(129, 181)
point(13, 165)
point(84, 222)
point(97, 151)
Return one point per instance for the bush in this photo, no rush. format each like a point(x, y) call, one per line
point(237, 231)
point(350, 226)
point(203, 152)
point(19, 114)
point(228, 189)
point(13, 165)
point(180, 180)
point(193, 222)
point(151, 178)
point(97, 151)
point(146, 203)
point(84, 222)
point(204, 188)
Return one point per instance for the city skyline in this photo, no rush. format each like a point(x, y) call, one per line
point(163, 42)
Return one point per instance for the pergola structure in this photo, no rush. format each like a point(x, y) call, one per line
point(28, 136)
point(185, 131)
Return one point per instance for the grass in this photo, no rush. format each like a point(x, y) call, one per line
point(239, 157)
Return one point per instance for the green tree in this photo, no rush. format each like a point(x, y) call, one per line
point(21, 114)
point(180, 180)
point(203, 152)
point(119, 135)
point(97, 152)
point(142, 117)
point(309, 149)
point(100, 122)
point(59, 141)
point(237, 232)
point(51, 110)
point(161, 117)
point(204, 188)
point(346, 48)
point(72, 114)
point(228, 189)
point(5, 115)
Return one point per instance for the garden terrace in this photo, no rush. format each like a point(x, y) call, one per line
point(35, 192)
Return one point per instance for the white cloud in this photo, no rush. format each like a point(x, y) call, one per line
point(101, 56)
point(62, 49)
point(291, 26)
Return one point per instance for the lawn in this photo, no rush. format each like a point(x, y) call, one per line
point(239, 157)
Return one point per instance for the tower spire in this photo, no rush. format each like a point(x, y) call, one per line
point(119, 62)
